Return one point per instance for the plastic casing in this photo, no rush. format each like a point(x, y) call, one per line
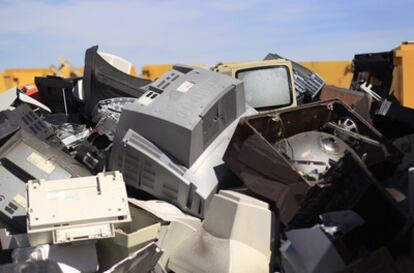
point(76, 209)
point(187, 106)
point(233, 68)
point(145, 166)
point(234, 237)
point(24, 157)
point(152, 220)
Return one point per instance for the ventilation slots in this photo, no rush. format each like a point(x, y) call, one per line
point(170, 190)
point(130, 166)
point(148, 176)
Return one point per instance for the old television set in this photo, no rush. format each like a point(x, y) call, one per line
point(170, 142)
point(268, 84)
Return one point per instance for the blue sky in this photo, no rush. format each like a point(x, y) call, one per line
point(35, 33)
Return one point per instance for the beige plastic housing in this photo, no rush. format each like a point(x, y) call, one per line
point(151, 221)
point(141, 261)
point(166, 212)
point(235, 237)
point(76, 209)
point(177, 227)
point(232, 68)
point(129, 237)
point(116, 61)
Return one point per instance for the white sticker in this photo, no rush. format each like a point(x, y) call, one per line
point(62, 195)
point(41, 162)
point(185, 86)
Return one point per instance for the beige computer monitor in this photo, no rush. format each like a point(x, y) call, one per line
point(269, 84)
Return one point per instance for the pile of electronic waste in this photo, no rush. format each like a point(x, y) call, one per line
point(263, 169)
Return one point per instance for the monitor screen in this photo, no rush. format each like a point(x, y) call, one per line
point(266, 87)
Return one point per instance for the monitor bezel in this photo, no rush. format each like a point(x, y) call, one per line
point(266, 108)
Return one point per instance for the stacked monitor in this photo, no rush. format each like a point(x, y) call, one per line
point(169, 137)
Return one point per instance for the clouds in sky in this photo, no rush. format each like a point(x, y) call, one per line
point(34, 33)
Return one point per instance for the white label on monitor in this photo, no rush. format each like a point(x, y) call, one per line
point(185, 86)
point(42, 163)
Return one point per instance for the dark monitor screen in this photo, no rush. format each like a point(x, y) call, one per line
point(266, 87)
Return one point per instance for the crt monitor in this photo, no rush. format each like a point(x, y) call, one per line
point(268, 85)
point(184, 110)
point(273, 83)
point(101, 80)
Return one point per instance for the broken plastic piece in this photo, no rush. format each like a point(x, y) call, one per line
point(46, 266)
point(310, 251)
point(234, 237)
point(76, 209)
point(80, 258)
point(166, 212)
point(30, 100)
point(142, 261)
point(144, 228)
point(176, 226)
point(8, 97)
point(152, 220)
